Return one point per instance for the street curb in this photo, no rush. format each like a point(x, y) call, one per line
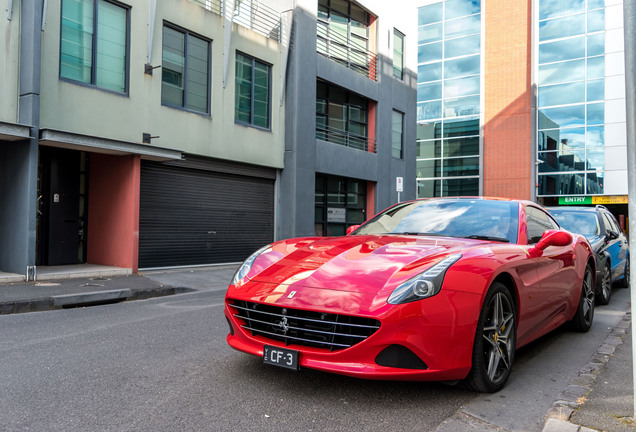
point(558, 417)
point(87, 299)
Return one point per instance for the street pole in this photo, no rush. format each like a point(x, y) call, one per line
point(629, 16)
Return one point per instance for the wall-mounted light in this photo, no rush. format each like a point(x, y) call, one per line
point(146, 138)
point(148, 68)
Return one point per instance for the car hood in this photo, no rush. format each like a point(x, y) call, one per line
point(362, 264)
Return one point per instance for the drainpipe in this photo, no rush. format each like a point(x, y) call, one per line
point(31, 20)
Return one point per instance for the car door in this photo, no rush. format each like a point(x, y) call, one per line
point(617, 245)
point(551, 294)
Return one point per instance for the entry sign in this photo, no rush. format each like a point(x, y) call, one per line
point(399, 184)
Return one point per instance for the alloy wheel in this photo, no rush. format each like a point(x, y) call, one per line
point(606, 286)
point(498, 334)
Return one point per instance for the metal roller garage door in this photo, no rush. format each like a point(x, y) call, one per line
point(192, 216)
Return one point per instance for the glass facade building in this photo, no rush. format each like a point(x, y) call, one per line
point(449, 98)
point(580, 98)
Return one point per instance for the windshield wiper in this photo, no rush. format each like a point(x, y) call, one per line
point(489, 238)
point(419, 234)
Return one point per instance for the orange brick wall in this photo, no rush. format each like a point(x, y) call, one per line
point(507, 108)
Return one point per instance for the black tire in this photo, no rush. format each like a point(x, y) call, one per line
point(624, 282)
point(495, 341)
point(605, 289)
point(584, 315)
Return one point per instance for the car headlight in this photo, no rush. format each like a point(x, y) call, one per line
point(247, 265)
point(425, 284)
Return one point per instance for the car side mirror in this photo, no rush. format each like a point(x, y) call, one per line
point(352, 228)
point(612, 235)
point(551, 238)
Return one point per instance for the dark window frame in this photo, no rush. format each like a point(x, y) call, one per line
point(93, 84)
point(393, 148)
point(397, 33)
point(184, 107)
point(255, 60)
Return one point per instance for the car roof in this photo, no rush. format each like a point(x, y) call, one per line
point(577, 208)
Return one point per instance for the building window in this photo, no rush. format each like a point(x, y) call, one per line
point(94, 43)
point(342, 117)
point(572, 111)
point(185, 70)
point(448, 98)
point(340, 202)
point(252, 92)
point(398, 54)
point(396, 136)
point(343, 35)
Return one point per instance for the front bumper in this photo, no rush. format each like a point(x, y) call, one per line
point(439, 331)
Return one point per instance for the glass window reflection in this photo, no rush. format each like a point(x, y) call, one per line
point(429, 168)
point(429, 149)
point(596, 90)
point(595, 136)
point(460, 8)
point(596, 21)
point(429, 52)
point(429, 110)
point(563, 116)
point(556, 138)
point(596, 159)
point(461, 187)
point(596, 44)
point(462, 106)
point(429, 91)
point(461, 86)
point(595, 67)
point(595, 183)
point(561, 94)
point(562, 27)
point(562, 184)
point(466, 146)
point(555, 8)
point(566, 49)
point(430, 72)
point(429, 14)
point(562, 161)
point(461, 167)
point(429, 188)
point(596, 113)
point(461, 46)
point(573, 70)
point(462, 26)
point(461, 66)
point(429, 33)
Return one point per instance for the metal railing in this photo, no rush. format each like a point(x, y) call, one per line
point(347, 52)
point(251, 14)
point(345, 138)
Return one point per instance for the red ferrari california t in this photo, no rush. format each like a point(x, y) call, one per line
point(436, 289)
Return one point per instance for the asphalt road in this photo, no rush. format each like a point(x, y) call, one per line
point(163, 364)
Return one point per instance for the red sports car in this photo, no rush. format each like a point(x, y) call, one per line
point(437, 289)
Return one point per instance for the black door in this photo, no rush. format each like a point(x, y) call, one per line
point(59, 222)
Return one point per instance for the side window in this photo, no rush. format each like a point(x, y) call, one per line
point(252, 98)
point(538, 222)
point(610, 223)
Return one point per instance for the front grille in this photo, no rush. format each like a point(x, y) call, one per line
point(300, 327)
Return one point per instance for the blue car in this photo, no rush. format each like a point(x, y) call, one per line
point(608, 241)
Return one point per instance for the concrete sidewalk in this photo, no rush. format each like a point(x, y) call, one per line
point(600, 398)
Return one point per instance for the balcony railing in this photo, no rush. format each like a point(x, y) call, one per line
point(345, 138)
point(251, 14)
point(338, 48)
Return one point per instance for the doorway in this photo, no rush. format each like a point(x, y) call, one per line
point(62, 205)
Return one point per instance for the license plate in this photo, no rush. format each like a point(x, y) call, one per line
point(282, 357)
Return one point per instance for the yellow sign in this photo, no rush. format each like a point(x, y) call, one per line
point(610, 199)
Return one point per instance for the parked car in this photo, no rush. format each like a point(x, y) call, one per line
point(609, 242)
point(437, 289)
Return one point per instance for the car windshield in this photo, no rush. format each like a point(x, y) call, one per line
point(585, 223)
point(467, 218)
